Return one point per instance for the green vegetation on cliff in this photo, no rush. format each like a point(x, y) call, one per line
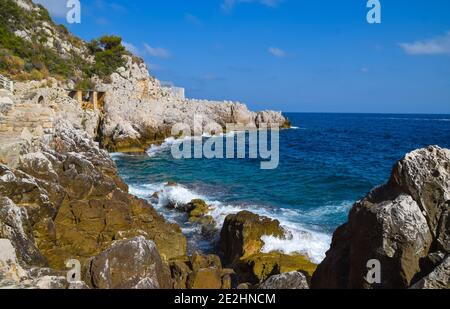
point(108, 52)
point(29, 59)
point(33, 47)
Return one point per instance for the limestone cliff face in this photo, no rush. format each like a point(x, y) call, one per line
point(60, 194)
point(28, 118)
point(138, 111)
point(404, 224)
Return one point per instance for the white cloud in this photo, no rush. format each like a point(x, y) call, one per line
point(277, 52)
point(436, 46)
point(228, 5)
point(158, 52)
point(56, 8)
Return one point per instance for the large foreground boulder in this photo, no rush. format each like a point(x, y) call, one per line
point(404, 224)
point(70, 203)
point(129, 264)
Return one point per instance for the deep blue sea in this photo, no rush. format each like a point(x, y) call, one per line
point(327, 162)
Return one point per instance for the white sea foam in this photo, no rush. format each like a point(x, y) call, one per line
point(165, 146)
point(300, 239)
point(116, 155)
point(176, 196)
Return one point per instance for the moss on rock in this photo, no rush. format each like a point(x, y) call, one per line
point(261, 266)
point(197, 208)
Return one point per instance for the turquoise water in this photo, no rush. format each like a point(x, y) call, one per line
point(327, 162)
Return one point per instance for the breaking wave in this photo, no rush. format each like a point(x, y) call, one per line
point(300, 239)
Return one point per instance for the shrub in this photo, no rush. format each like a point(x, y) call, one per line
point(108, 52)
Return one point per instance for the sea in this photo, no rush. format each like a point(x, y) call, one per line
point(327, 163)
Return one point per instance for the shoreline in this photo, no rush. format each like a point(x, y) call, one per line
point(182, 194)
point(69, 220)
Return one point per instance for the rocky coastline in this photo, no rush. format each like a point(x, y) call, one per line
point(61, 199)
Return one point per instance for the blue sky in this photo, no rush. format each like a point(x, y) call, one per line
point(289, 55)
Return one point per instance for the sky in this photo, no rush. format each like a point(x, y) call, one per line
point(288, 55)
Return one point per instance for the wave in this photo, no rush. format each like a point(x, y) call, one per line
point(301, 239)
point(327, 210)
point(116, 155)
point(155, 150)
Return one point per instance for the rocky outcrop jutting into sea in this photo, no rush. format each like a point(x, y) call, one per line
point(404, 224)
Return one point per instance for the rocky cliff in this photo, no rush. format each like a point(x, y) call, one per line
point(404, 224)
point(61, 197)
point(138, 111)
point(60, 194)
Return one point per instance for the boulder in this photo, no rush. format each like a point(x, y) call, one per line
point(130, 264)
point(180, 272)
point(197, 208)
point(205, 278)
point(241, 244)
point(439, 278)
point(241, 235)
point(198, 213)
point(199, 261)
point(201, 272)
point(403, 224)
point(15, 227)
point(288, 281)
